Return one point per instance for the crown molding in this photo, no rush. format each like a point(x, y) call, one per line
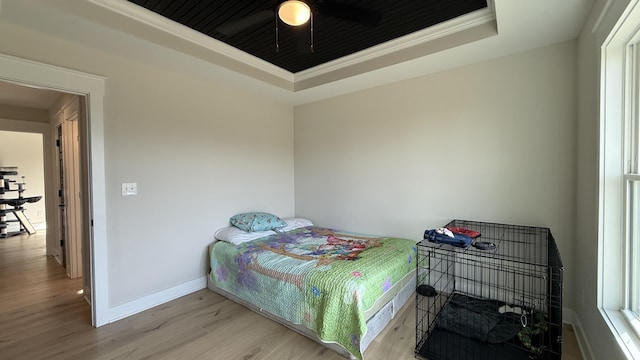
point(417, 38)
point(317, 75)
point(149, 18)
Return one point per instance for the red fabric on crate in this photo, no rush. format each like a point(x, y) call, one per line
point(470, 233)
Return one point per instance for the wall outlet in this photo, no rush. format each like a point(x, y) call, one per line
point(129, 189)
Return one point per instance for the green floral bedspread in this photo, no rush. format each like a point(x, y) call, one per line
point(321, 278)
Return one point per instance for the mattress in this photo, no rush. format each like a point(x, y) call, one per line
point(330, 285)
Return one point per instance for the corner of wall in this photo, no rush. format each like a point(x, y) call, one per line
point(570, 317)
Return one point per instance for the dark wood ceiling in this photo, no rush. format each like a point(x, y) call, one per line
point(340, 27)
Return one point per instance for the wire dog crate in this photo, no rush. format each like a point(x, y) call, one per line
point(490, 302)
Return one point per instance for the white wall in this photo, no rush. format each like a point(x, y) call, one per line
point(199, 151)
point(24, 150)
point(493, 141)
point(23, 113)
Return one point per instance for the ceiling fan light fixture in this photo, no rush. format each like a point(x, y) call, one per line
point(294, 12)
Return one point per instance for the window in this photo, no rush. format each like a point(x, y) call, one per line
point(619, 230)
point(632, 181)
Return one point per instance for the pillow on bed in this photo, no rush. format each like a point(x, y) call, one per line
point(236, 236)
point(257, 221)
point(294, 223)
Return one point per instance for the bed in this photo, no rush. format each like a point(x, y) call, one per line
point(338, 288)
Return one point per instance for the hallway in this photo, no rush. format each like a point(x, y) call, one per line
point(37, 299)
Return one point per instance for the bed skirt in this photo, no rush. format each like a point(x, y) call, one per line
point(376, 321)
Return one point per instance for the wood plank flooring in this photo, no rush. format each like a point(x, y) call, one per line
point(42, 316)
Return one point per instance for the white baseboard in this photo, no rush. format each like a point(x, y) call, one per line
point(133, 307)
point(570, 317)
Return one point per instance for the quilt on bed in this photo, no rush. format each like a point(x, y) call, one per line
point(321, 278)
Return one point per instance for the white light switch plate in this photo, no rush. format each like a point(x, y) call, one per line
point(129, 189)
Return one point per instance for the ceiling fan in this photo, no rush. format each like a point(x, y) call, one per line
point(297, 13)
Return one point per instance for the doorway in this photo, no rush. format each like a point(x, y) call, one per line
point(67, 229)
point(22, 163)
point(71, 183)
point(26, 72)
point(62, 218)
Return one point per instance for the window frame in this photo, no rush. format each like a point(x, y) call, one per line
point(629, 174)
point(619, 142)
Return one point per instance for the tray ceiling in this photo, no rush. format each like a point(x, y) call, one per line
point(340, 27)
point(123, 28)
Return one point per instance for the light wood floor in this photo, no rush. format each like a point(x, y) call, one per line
point(42, 316)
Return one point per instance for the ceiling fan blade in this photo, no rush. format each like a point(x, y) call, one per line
point(234, 27)
point(349, 12)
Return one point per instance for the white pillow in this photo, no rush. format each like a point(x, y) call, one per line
point(294, 223)
point(237, 236)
